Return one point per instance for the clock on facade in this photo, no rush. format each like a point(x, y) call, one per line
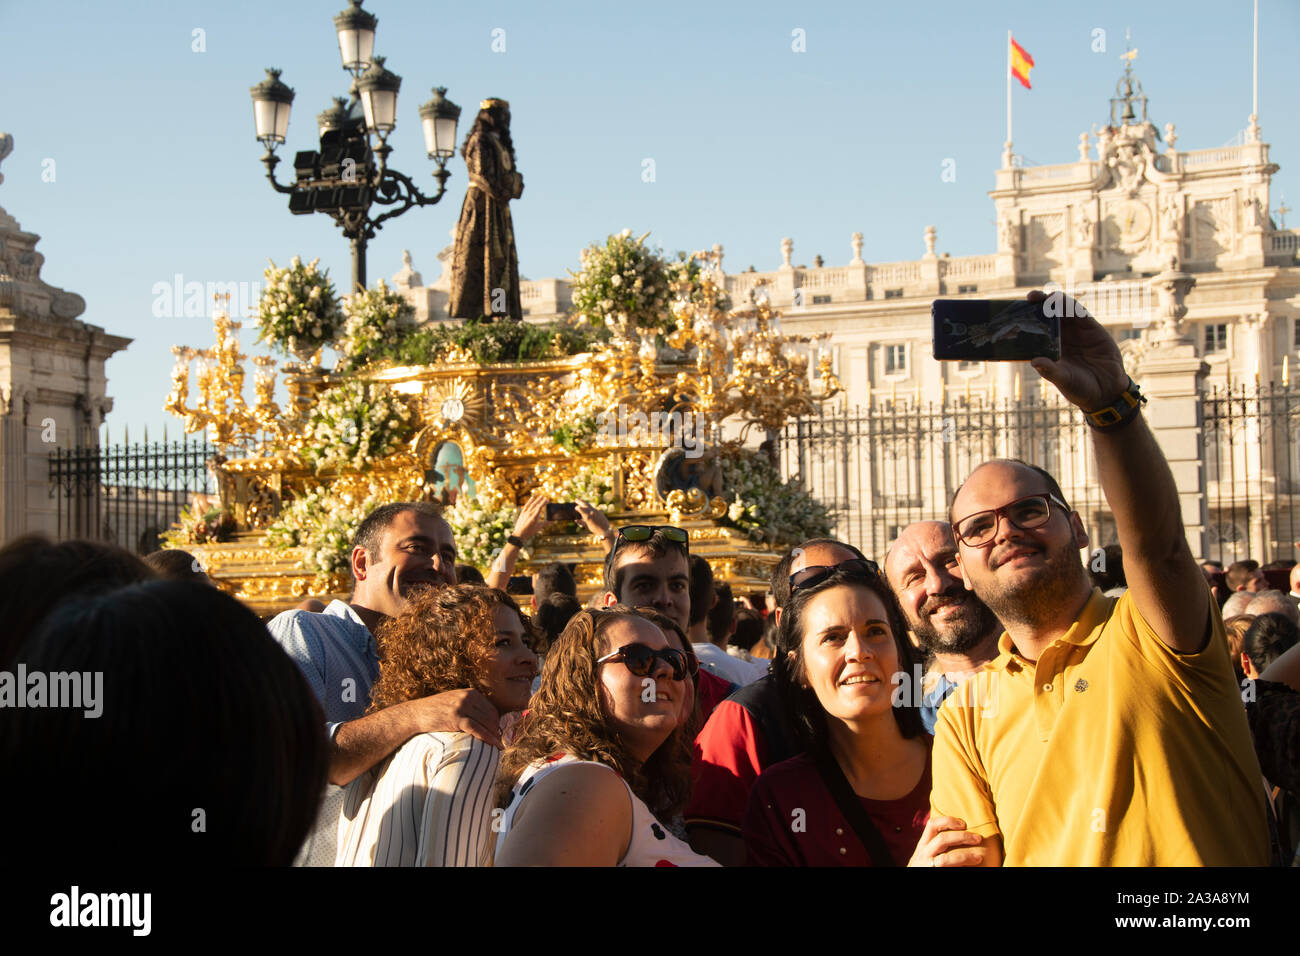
point(1128, 224)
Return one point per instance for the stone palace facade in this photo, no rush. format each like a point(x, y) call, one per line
point(1176, 251)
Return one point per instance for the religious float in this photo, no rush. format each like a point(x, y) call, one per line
point(655, 401)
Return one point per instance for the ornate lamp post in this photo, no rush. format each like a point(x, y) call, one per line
point(350, 173)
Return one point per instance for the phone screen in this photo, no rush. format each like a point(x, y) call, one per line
point(994, 330)
point(560, 511)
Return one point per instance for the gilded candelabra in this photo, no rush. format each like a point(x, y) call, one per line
point(744, 363)
point(221, 408)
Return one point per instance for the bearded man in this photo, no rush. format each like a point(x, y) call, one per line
point(952, 625)
point(1108, 731)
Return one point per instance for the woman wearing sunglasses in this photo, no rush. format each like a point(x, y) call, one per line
point(430, 803)
point(603, 757)
point(860, 793)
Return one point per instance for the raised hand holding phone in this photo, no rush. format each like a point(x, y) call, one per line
point(1090, 372)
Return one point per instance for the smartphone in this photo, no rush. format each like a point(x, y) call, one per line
point(558, 511)
point(520, 584)
point(994, 330)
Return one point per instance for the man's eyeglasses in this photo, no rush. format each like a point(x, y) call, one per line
point(814, 575)
point(979, 529)
point(640, 660)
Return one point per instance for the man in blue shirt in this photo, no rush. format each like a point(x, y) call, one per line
point(950, 622)
point(398, 549)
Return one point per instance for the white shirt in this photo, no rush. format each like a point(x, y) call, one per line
point(650, 844)
point(429, 804)
point(731, 669)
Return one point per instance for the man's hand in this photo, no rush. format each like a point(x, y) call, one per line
point(532, 517)
point(1090, 372)
point(461, 710)
point(947, 842)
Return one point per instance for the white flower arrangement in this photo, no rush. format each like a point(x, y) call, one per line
point(684, 277)
point(355, 424)
point(765, 506)
point(298, 311)
point(375, 317)
point(594, 485)
point(480, 526)
point(323, 521)
point(622, 280)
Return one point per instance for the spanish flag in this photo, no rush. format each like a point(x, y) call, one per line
point(1021, 64)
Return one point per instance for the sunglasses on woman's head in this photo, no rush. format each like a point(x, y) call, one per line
point(640, 660)
point(814, 575)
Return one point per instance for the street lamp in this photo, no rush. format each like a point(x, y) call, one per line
point(350, 173)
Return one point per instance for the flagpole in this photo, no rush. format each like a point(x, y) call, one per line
point(1254, 88)
point(1006, 153)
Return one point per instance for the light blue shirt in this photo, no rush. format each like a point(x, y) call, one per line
point(932, 701)
point(336, 653)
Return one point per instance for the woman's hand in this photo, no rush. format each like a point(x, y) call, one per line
point(946, 842)
point(531, 517)
point(595, 521)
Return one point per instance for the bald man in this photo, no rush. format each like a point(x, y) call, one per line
point(949, 621)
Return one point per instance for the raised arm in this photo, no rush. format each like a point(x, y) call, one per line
point(1167, 584)
point(530, 521)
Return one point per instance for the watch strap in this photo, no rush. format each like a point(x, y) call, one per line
point(517, 541)
point(1119, 412)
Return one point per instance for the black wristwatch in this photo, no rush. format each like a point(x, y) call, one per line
point(517, 541)
point(1119, 412)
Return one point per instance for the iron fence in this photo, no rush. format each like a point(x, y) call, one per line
point(884, 467)
point(1251, 455)
point(128, 494)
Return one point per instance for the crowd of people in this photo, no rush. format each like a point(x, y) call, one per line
point(981, 696)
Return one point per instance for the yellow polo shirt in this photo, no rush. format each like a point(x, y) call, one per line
point(1112, 750)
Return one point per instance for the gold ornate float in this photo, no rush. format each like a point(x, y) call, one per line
point(662, 419)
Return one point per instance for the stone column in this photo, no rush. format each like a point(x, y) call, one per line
point(1172, 376)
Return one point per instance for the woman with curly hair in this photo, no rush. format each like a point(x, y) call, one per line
point(860, 793)
point(602, 758)
point(429, 804)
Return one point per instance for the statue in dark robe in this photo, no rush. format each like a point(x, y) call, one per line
point(485, 265)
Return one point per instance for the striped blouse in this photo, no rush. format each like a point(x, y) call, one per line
point(429, 804)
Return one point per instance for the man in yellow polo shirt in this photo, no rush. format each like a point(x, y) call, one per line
point(1108, 731)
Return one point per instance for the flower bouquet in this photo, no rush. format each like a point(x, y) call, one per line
point(298, 313)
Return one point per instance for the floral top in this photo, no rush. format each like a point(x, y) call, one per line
point(651, 843)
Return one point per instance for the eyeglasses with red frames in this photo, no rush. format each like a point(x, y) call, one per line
point(1033, 511)
point(640, 660)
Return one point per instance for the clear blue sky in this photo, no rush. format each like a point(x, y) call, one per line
point(157, 171)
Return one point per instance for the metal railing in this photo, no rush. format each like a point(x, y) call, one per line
point(128, 494)
point(1251, 454)
point(884, 467)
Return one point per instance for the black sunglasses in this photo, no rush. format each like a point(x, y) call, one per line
point(640, 660)
point(636, 533)
point(812, 576)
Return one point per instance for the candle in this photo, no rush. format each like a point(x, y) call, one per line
point(1286, 374)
